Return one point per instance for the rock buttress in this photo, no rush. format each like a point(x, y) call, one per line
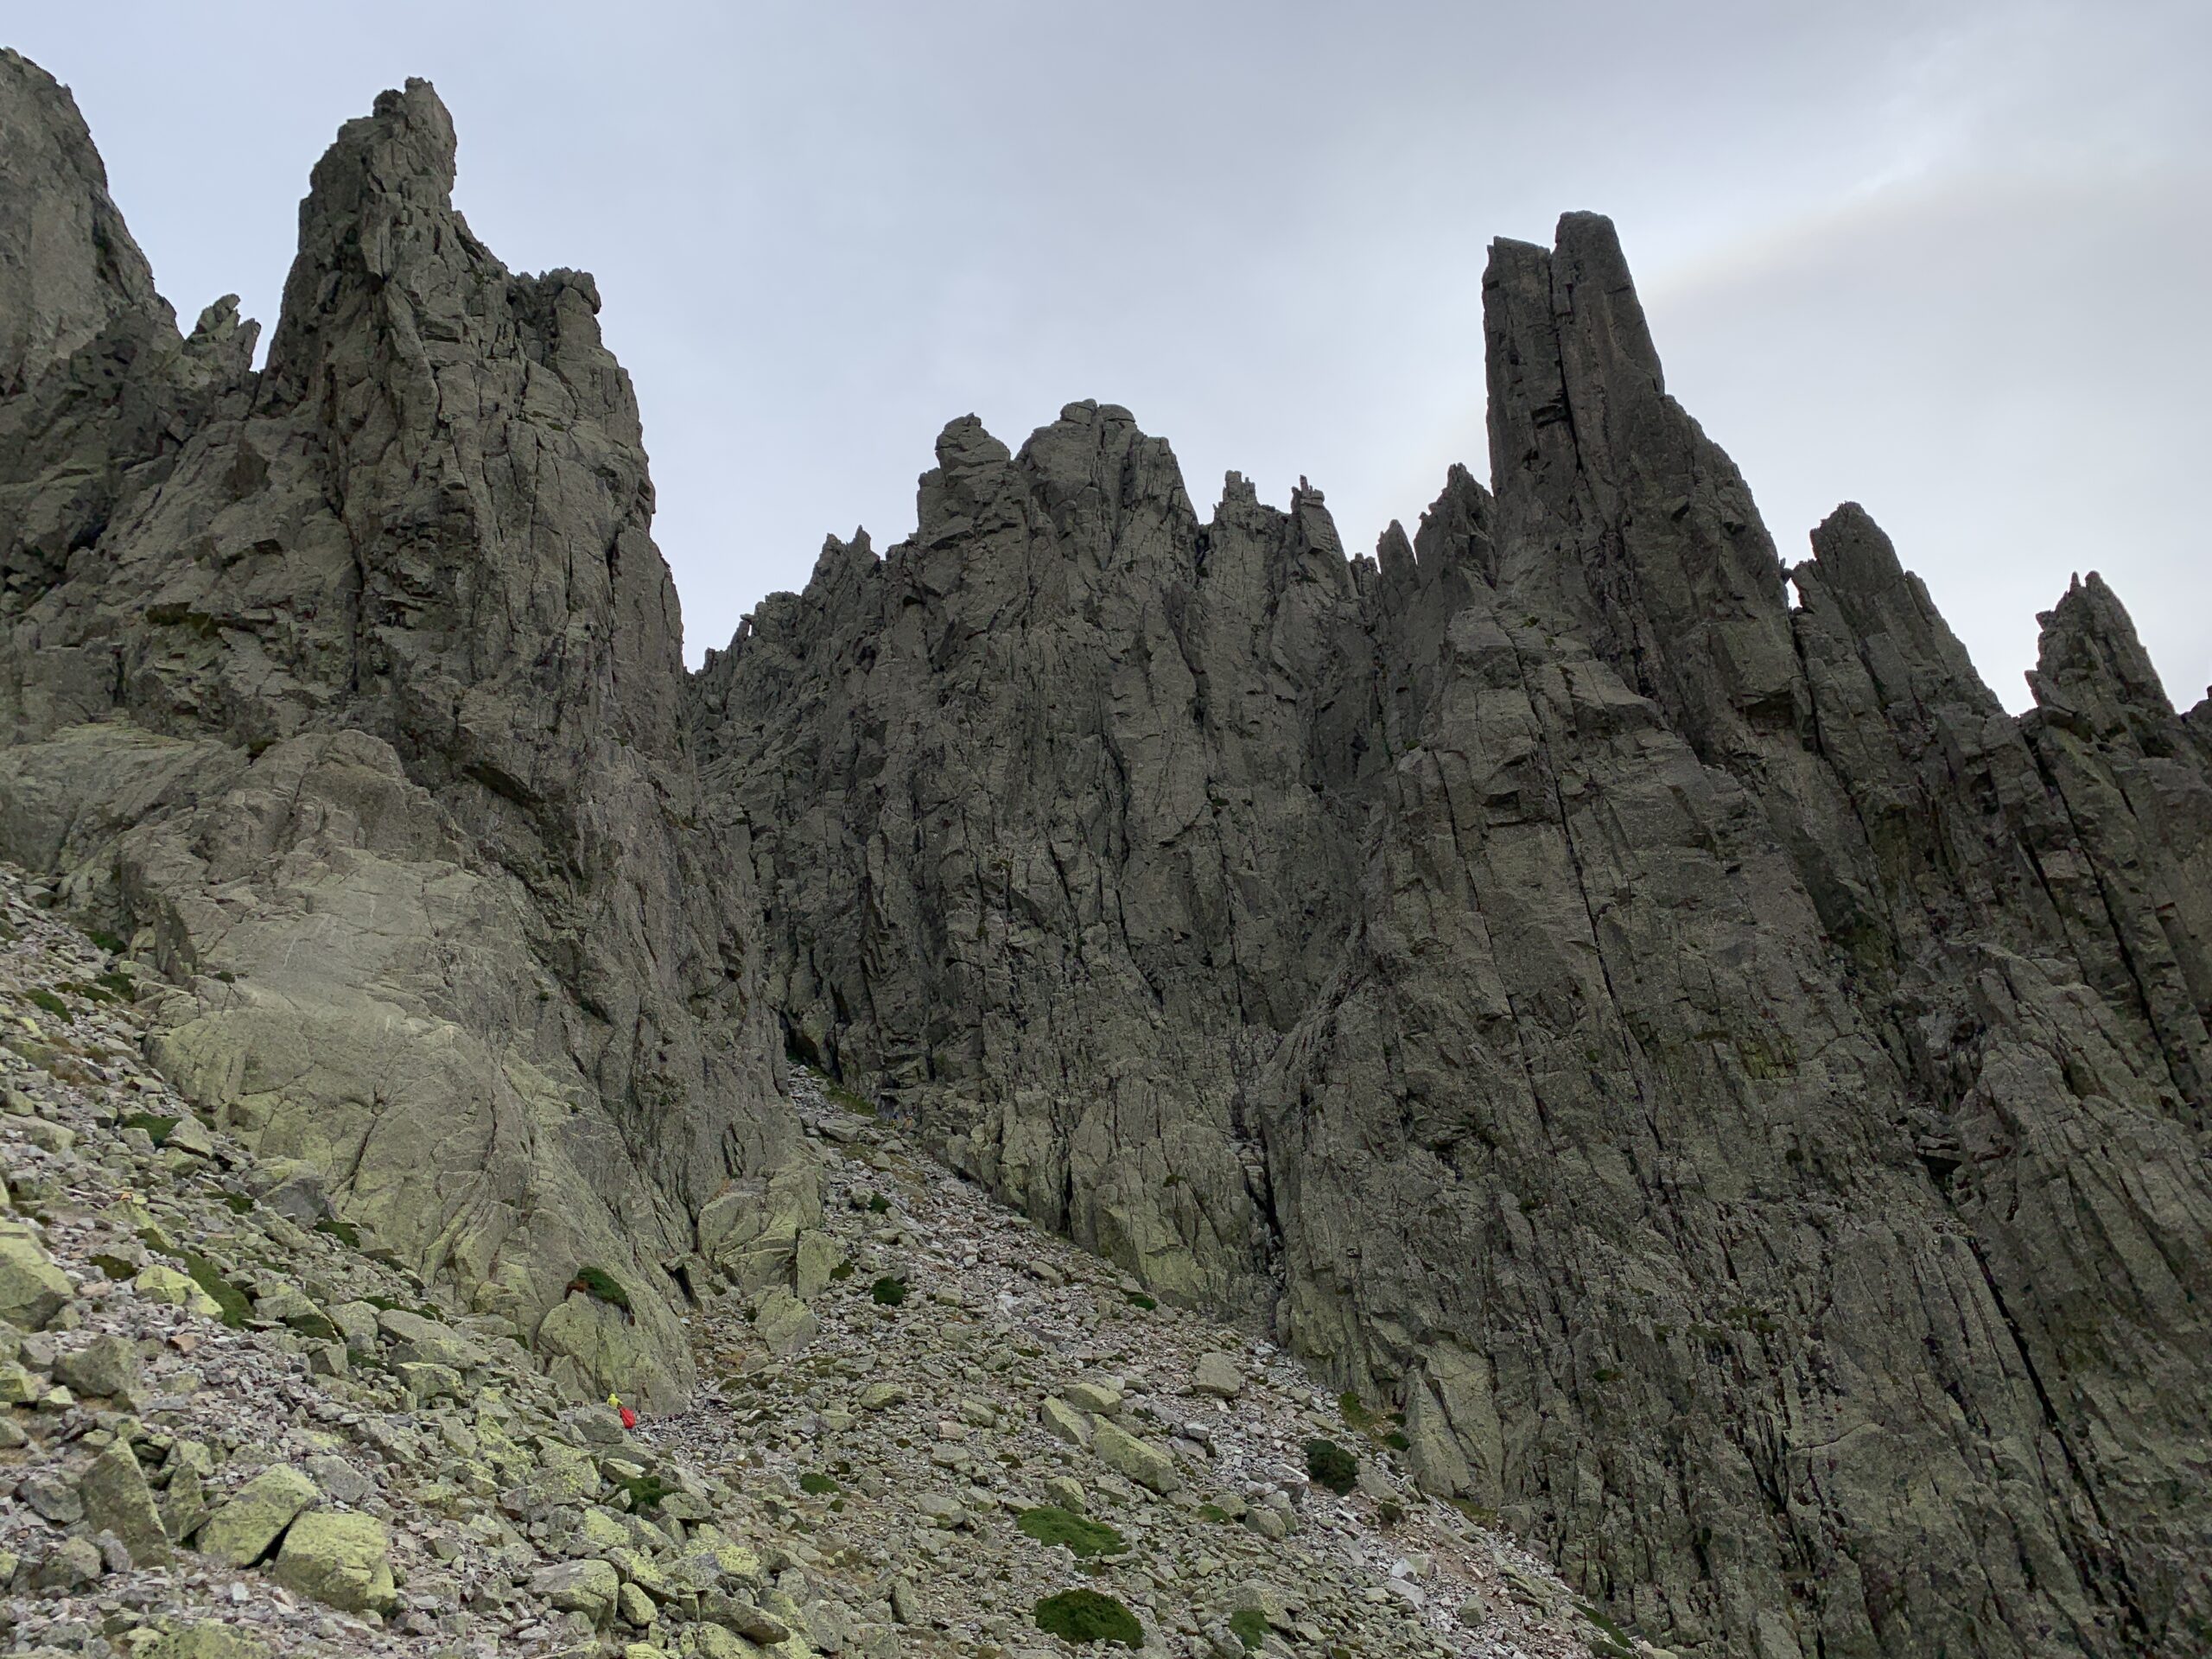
point(354, 689)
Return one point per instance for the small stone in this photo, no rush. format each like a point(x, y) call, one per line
point(878, 1395)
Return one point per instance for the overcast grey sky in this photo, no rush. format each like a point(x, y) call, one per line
point(1946, 259)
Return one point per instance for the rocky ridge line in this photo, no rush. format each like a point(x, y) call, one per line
point(1734, 1088)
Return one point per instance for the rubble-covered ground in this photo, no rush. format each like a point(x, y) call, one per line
point(234, 1428)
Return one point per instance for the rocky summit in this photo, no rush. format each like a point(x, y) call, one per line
point(1101, 1076)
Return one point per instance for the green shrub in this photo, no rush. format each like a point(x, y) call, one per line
point(344, 1231)
point(1356, 1413)
point(645, 1492)
point(1250, 1627)
point(157, 1129)
point(1214, 1513)
point(1049, 1525)
point(106, 942)
point(239, 1204)
point(887, 1292)
point(1329, 1464)
point(878, 1204)
point(53, 1004)
point(1388, 1513)
point(600, 1286)
point(815, 1485)
point(122, 987)
point(841, 1272)
point(1081, 1616)
point(1138, 1299)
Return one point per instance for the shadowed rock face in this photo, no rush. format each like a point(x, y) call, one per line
point(1739, 1091)
point(358, 681)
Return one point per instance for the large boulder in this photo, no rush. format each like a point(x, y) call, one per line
point(33, 1289)
point(341, 1560)
point(246, 1526)
point(117, 1500)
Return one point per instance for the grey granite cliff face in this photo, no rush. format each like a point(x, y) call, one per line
point(1644, 1012)
point(1736, 1090)
point(353, 687)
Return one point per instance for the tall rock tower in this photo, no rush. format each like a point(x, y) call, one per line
point(353, 689)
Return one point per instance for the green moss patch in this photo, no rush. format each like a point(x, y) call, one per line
point(1250, 1627)
point(53, 1004)
point(846, 1098)
point(1329, 1464)
point(645, 1492)
point(157, 1129)
point(814, 1484)
point(887, 1292)
point(1049, 1525)
point(600, 1286)
point(1138, 1299)
point(345, 1232)
point(226, 1295)
point(1083, 1615)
